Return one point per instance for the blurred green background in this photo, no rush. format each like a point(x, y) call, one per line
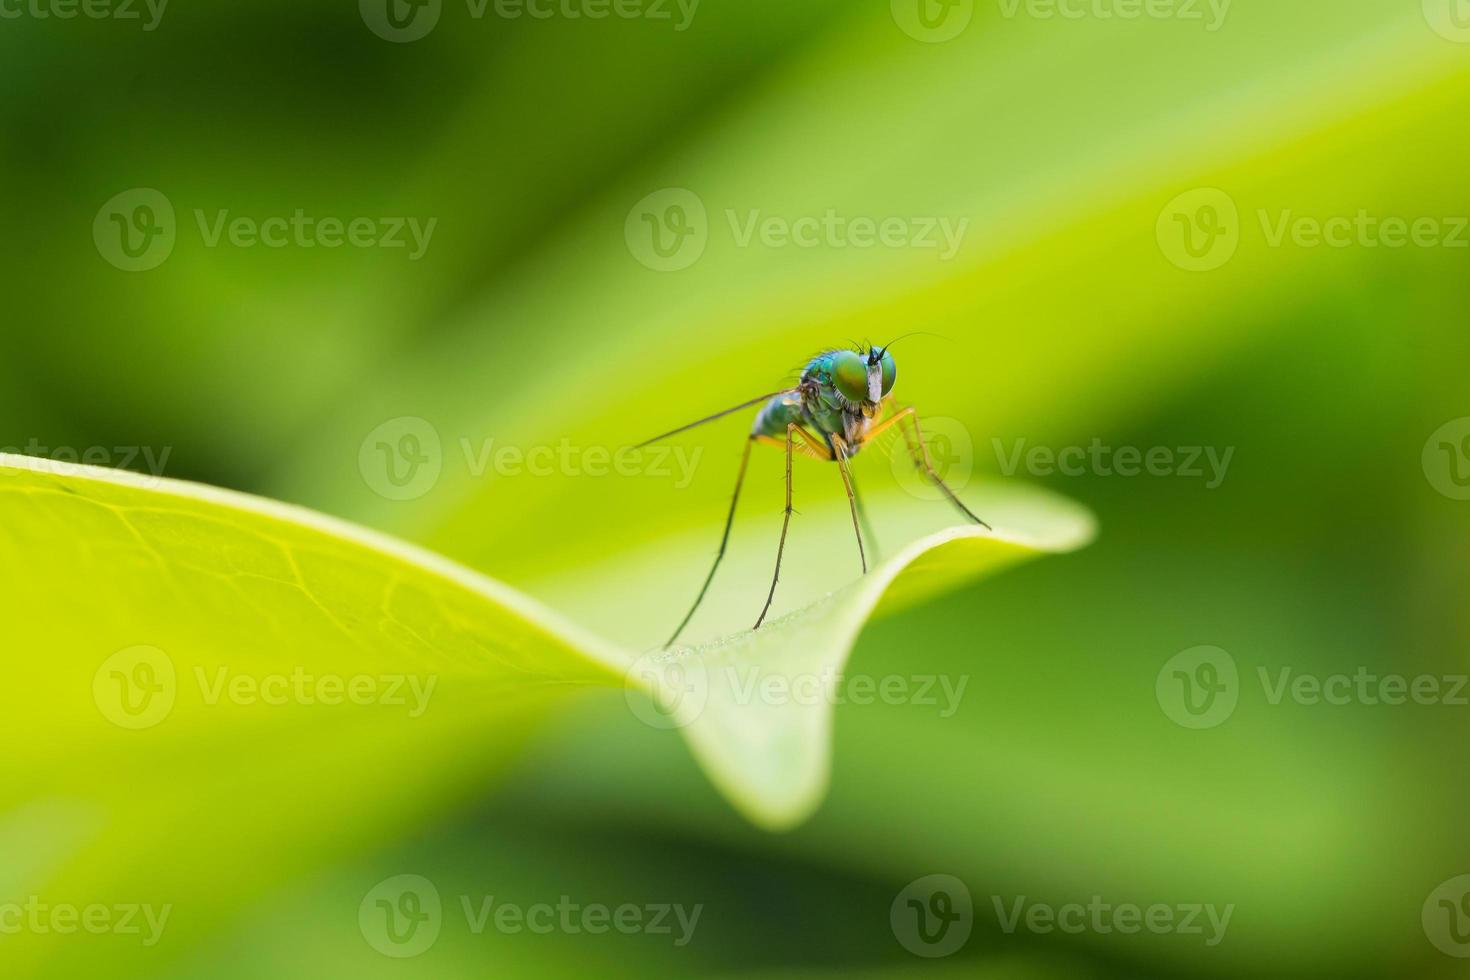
point(1122, 173)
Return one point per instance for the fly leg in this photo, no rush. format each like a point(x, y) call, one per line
point(920, 452)
point(840, 454)
point(868, 532)
point(785, 524)
point(724, 541)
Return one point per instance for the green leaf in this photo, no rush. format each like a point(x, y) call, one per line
point(181, 648)
point(757, 707)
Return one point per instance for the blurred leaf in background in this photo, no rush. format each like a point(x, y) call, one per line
point(1185, 228)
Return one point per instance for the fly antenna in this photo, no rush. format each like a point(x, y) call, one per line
point(916, 333)
point(717, 415)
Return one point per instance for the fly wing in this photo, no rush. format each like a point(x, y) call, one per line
point(718, 415)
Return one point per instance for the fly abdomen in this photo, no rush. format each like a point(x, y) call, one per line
point(776, 415)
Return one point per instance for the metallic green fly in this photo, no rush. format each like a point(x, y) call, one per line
point(842, 402)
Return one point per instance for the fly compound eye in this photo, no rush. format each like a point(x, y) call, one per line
point(890, 372)
point(850, 375)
